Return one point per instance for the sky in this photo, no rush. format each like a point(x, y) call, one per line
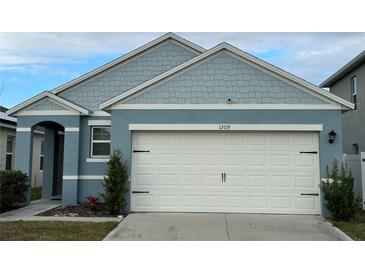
point(34, 62)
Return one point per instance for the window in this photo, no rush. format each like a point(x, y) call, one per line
point(41, 156)
point(355, 148)
point(100, 141)
point(354, 90)
point(10, 141)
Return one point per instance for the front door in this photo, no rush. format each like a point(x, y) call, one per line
point(58, 165)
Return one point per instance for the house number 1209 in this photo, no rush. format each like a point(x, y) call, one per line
point(224, 127)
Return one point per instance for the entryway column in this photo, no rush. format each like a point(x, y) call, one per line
point(23, 154)
point(70, 166)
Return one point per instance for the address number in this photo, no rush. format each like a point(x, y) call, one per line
point(224, 127)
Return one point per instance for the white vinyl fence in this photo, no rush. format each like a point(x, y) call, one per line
point(356, 162)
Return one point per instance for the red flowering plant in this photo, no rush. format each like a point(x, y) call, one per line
point(93, 202)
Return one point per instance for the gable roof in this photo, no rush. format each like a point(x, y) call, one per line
point(306, 86)
point(52, 97)
point(350, 66)
point(128, 56)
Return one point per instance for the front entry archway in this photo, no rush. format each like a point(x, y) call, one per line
point(53, 158)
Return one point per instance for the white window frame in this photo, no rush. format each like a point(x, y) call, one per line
point(92, 141)
point(10, 153)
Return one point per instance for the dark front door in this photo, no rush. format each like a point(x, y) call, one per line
point(58, 165)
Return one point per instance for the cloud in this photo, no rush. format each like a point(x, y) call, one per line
point(312, 56)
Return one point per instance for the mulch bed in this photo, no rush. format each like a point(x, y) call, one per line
point(80, 210)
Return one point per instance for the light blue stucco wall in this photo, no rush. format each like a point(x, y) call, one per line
point(330, 119)
point(223, 77)
point(127, 75)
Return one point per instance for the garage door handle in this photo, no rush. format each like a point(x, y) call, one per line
point(309, 152)
point(224, 176)
point(140, 151)
point(140, 192)
point(309, 194)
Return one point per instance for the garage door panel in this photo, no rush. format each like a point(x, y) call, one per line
point(260, 181)
point(257, 139)
point(144, 180)
point(305, 161)
point(280, 140)
point(281, 182)
point(143, 159)
point(235, 201)
point(305, 181)
point(265, 172)
point(306, 203)
point(236, 180)
point(168, 201)
point(212, 201)
point(258, 202)
point(282, 160)
point(258, 160)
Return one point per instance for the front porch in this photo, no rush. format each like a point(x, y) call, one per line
point(60, 159)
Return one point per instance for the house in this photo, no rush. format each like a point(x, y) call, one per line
point(214, 130)
point(349, 84)
point(8, 149)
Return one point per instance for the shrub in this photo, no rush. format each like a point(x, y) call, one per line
point(114, 184)
point(338, 192)
point(13, 185)
point(93, 202)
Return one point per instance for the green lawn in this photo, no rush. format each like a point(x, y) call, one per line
point(54, 231)
point(36, 193)
point(356, 228)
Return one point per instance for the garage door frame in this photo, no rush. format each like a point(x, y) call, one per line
point(227, 127)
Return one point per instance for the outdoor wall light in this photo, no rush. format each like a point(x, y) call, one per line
point(331, 136)
point(229, 101)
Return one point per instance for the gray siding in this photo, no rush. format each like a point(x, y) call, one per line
point(127, 75)
point(47, 105)
point(223, 77)
point(352, 121)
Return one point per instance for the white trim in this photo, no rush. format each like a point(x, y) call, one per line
point(128, 56)
point(92, 177)
point(99, 122)
point(70, 177)
point(38, 132)
point(84, 177)
point(224, 106)
point(100, 113)
point(51, 96)
point(305, 86)
point(97, 160)
point(23, 129)
point(72, 129)
point(228, 127)
point(7, 125)
point(47, 112)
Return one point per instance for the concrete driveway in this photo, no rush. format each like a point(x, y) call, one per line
point(223, 227)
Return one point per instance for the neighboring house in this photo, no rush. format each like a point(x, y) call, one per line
point(349, 83)
point(213, 130)
point(8, 148)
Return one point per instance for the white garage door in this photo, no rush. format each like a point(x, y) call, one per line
point(247, 172)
